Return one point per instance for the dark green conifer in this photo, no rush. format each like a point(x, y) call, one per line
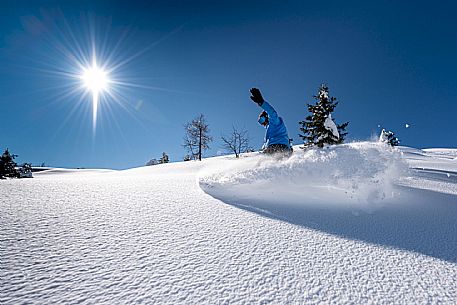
point(7, 165)
point(318, 128)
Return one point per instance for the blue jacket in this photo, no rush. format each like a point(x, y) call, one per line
point(276, 129)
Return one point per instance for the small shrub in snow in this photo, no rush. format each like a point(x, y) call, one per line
point(152, 162)
point(25, 171)
point(319, 128)
point(388, 137)
point(164, 158)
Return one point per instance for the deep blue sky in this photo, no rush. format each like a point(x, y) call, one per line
point(389, 63)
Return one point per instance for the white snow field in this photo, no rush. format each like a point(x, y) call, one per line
point(357, 223)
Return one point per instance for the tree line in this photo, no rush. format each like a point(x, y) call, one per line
point(318, 129)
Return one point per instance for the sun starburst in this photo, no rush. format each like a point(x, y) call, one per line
point(96, 81)
point(87, 61)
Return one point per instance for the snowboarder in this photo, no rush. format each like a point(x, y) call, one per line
point(276, 136)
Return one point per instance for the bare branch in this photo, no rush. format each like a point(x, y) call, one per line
point(237, 142)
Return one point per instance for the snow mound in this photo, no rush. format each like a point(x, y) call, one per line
point(70, 173)
point(331, 126)
point(358, 174)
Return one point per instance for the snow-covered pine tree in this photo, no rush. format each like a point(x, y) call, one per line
point(25, 171)
point(388, 137)
point(152, 162)
point(164, 158)
point(319, 128)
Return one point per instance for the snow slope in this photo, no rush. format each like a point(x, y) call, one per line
point(356, 223)
point(366, 191)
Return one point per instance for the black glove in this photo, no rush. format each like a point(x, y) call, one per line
point(256, 96)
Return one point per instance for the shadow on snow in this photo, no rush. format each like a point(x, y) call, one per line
point(421, 221)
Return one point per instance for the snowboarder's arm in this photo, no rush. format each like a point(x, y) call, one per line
point(272, 114)
point(257, 97)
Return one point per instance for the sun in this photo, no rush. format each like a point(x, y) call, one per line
point(91, 65)
point(96, 81)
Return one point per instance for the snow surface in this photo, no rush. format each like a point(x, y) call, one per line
point(355, 223)
point(383, 136)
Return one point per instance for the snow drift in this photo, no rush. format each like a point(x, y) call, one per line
point(357, 175)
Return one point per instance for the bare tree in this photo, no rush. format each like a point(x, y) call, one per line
point(197, 137)
point(237, 142)
point(190, 144)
